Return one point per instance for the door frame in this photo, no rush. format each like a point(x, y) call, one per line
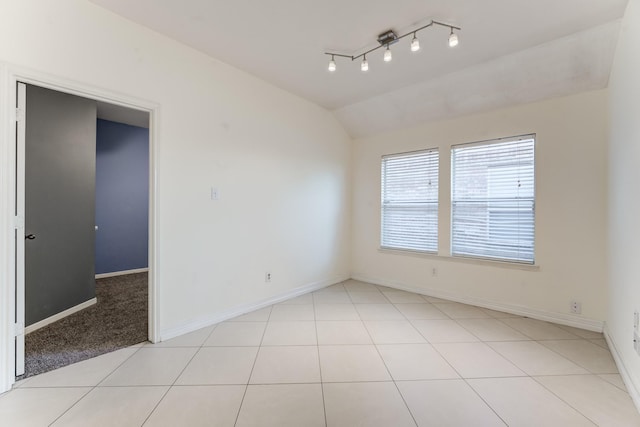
point(10, 261)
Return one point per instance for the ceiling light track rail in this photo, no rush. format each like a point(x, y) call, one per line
point(388, 38)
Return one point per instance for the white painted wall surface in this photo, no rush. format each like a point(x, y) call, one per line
point(280, 163)
point(570, 211)
point(624, 196)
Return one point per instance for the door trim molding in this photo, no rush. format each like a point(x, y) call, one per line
point(10, 74)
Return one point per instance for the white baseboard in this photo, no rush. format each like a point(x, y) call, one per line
point(633, 389)
point(61, 315)
point(205, 321)
point(548, 316)
point(121, 273)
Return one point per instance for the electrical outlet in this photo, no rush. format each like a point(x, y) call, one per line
point(576, 307)
point(434, 272)
point(636, 320)
point(267, 277)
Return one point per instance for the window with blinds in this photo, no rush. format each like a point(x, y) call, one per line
point(410, 201)
point(493, 199)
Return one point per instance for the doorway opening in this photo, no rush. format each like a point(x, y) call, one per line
point(110, 113)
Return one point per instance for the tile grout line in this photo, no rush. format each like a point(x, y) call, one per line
point(502, 320)
point(461, 377)
point(588, 371)
point(70, 407)
point(178, 376)
point(254, 365)
point(465, 379)
point(389, 371)
point(380, 355)
point(613, 384)
point(457, 320)
point(484, 401)
point(531, 339)
point(315, 321)
point(575, 362)
point(564, 401)
point(92, 388)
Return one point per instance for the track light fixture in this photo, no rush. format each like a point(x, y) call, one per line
point(332, 64)
point(415, 43)
point(387, 55)
point(390, 37)
point(365, 65)
point(453, 39)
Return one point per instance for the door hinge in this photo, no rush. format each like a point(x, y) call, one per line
point(19, 114)
point(18, 329)
point(18, 222)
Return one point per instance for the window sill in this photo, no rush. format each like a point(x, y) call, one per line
point(463, 260)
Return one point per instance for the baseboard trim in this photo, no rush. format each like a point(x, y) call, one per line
point(61, 315)
point(632, 388)
point(205, 321)
point(121, 273)
point(548, 316)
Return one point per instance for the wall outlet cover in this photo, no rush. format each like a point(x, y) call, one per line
point(576, 307)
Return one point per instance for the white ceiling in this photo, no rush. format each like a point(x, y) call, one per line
point(510, 52)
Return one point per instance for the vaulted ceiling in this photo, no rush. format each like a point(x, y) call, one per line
point(510, 52)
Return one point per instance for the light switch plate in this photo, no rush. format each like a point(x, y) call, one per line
point(215, 193)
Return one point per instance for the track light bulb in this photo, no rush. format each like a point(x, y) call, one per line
point(365, 65)
point(332, 65)
point(387, 55)
point(415, 43)
point(453, 39)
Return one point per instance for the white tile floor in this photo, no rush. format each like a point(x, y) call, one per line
point(353, 354)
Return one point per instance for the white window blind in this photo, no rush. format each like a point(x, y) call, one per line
point(410, 201)
point(493, 199)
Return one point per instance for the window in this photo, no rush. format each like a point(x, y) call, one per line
point(493, 199)
point(410, 201)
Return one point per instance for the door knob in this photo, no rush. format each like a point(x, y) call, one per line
point(30, 236)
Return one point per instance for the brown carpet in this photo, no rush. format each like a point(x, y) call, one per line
point(117, 320)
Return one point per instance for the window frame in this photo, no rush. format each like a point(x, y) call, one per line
point(532, 199)
point(385, 206)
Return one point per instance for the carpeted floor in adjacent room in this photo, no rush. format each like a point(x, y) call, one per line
point(117, 320)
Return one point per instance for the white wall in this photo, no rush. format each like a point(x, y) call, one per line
point(280, 163)
point(624, 196)
point(570, 212)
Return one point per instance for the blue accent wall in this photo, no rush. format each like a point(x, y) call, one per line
point(122, 197)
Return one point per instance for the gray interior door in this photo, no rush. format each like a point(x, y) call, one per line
point(60, 153)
